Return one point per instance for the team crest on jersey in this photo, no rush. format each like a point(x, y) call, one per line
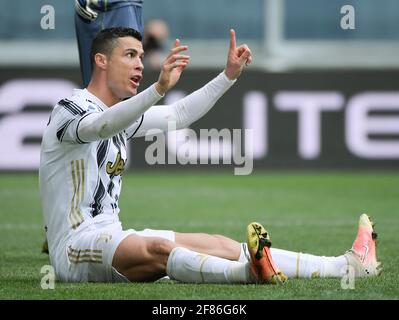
point(117, 167)
point(91, 108)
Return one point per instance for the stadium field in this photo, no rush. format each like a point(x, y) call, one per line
point(303, 211)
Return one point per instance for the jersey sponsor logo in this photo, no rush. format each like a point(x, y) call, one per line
point(116, 168)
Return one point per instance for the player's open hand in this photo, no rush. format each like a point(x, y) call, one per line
point(237, 58)
point(172, 67)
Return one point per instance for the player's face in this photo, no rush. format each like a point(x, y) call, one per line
point(125, 69)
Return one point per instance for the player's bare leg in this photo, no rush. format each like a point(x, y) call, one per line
point(215, 245)
point(142, 259)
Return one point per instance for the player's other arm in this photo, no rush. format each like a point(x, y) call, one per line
point(191, 108)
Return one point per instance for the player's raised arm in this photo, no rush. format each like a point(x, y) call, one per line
point(191, 108)
point(237, 58)
point(172, 68)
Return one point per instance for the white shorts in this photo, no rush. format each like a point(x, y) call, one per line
point(88, 255)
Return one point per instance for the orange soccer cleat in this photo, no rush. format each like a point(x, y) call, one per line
point(262, 266)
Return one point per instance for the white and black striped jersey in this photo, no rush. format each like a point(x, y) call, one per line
point(79, 181)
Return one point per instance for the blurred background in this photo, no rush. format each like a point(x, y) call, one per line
point(317, 95)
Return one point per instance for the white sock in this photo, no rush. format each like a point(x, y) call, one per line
point(244, 253)
point(193, 267)
point(302, 265)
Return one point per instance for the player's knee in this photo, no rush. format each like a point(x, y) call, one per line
point(141, 258)
point(160, 247)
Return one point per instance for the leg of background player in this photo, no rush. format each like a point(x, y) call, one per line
point(128, 16)
point(85, 33)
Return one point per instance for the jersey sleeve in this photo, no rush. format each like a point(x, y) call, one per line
point(183, 112)
point(68, 116)
point(134, 128)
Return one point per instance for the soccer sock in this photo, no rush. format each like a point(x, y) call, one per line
point(193, 267)
point(244, 253)
point(302, 265)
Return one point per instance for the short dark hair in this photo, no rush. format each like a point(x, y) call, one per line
point(106, 40)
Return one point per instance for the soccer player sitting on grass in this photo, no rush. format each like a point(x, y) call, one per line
point(91, 16)
point(83, 155)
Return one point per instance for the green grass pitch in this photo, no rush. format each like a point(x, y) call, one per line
point(303, 211)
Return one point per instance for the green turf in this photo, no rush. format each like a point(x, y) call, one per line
point(309, 212)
